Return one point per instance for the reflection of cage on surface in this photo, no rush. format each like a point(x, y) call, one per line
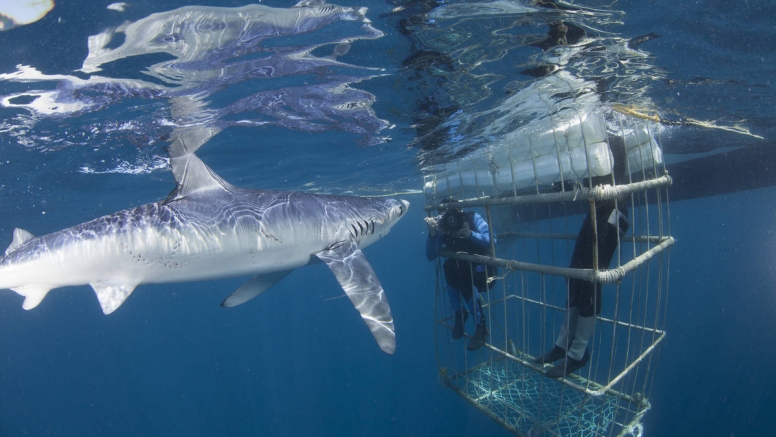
point(537, 229)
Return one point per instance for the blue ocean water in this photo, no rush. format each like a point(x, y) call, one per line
point(297, 360)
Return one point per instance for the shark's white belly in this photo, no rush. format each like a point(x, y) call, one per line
point(155, 256)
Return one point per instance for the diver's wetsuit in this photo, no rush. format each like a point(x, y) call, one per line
point(583, 294)
point(458, 274)
point(611, 216)
point(584, 297)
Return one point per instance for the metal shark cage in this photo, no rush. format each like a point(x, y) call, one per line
point(535, 220)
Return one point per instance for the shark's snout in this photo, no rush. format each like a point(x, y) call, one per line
point(404, 206)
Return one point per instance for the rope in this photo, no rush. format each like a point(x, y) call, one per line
point(607, 276)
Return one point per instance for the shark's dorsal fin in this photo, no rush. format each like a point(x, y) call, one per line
point(20, 236)
point(360, 283)
point(193, 176)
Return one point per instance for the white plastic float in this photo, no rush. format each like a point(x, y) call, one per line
point(567, 146)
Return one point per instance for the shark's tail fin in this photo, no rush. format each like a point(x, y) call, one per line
point(33, 294)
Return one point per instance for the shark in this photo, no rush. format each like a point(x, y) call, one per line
point(208, 229)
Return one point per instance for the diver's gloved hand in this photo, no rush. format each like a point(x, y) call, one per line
point(433, 226)
point(464, 232)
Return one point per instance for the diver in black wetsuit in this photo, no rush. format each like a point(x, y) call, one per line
point(584, 298)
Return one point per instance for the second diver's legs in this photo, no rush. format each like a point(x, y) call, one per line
point(584, 295)
point(577, 355)
point(569, 328)
point(611, 224)
point(585, 327)
point(566, 335)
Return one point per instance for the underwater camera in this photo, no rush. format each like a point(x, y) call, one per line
point(452, 221)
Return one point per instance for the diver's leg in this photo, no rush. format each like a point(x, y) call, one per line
point(578, 354)
point(460, 313)
point(473, 302)
point(568, 329)
point(454, 293)
point(610, 222)
point(566, 334)
point(588, 294)
point(578, 347)
point(481, 332)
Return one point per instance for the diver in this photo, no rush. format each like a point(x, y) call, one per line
point(584, 297)
point(462, 232)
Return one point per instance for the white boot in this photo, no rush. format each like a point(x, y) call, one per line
point(567, 331)
point(585, 327)
point(569, 327)
point(577, 355)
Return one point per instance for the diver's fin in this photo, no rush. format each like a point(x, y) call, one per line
point(20, 236)
point(111, 295)
point(360, 283)
point(254, 287)
point(192, 176)
point(33, 294)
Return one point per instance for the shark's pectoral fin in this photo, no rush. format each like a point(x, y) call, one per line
point(360, 283)
point(33, 294)
point(111, 295)
point(254, 287)
point(20, 236)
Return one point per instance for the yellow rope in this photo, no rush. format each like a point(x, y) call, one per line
point(633, 112)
